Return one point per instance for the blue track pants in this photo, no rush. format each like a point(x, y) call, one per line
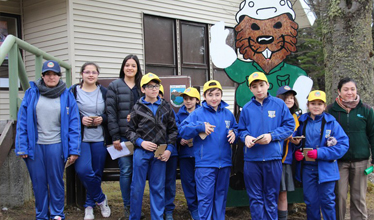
point(262, 181)
point(170, 178)
point(187, 169)
point(318, 196)
point(212, 185)
point(89, 167)
point(145, 164)
point(46, 173)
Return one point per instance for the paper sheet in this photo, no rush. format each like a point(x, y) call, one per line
point(126, 150)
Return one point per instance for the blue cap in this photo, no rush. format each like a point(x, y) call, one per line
point(285, 89)
point(51, 65)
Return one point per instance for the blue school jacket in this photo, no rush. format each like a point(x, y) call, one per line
point(272, 117)
point(214, 150)
point(27, 131)
point(183, 151)
point(326, 156)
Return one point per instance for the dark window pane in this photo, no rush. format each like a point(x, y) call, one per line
point(160, 71)
point(230, 40)
point(198, 76)
point(193, 44)
point(159, 40)
point(221, 76)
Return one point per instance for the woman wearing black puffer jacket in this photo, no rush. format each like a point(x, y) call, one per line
point(121, 96)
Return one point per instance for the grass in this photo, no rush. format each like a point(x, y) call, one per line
point(112, 190)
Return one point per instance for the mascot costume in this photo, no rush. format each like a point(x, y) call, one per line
point(265, 35)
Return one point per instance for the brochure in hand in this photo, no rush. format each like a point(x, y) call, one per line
point(160, 150)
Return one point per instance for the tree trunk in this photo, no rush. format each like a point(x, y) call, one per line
point(348, 44)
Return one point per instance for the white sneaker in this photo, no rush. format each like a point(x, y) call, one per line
point(89, 213)
point(57, 218)
point(104, 207)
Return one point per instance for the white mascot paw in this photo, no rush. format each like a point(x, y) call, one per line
point(303, 85)
point(222, 54)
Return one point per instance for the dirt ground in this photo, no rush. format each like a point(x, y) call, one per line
point(112, 190)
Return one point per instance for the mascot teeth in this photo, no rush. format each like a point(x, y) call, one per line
point(267, 53)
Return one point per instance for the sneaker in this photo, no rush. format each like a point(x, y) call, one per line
point(57, 217)
point(89, 213)
point(195, 215)
point(104, 207)
point(169, 216)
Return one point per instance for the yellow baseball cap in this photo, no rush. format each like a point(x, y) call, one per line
point(317, 95)
point(257, 76)
point(212, 84)
point(161, 89)
point(149, 77)
point(191, 92)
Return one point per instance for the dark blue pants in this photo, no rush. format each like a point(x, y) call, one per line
point(170, 178)
point(46, 173)
point(212, 185)
point(89, 167)
point(146, 164)
point(262, 181)
point(318, 196)
point(187, 169)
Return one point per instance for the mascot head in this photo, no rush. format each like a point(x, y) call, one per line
point(266, 31)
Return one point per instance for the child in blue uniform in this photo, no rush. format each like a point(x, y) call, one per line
point(191, 99)
point(287, 184)
point(213, 151)
point(268, 116)
point(170, 175)
point(152, 123)
point(329, 142)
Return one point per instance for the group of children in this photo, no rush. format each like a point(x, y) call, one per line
point(269, 127)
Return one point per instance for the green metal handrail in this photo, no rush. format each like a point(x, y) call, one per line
point(17, 69)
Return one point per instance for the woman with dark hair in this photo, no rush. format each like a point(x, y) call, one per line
point(357, 120)
point(48, 135)
point(91, 98)
point(121, 97)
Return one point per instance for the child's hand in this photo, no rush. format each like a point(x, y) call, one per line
point(72, 158)
point(295, 141)
point(209, 128)
point(149, 146)
point(312, 154)
point(249, 141)
point(265, 140)
point(165, 156)
point(184, 142)
point(231, 136)
point(299, 156)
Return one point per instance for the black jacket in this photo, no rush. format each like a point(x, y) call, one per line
point(104, 124)
point(159, 129)
point(118, 106)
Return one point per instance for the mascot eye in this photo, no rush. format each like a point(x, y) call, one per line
point(255, 27)
point(278, 25)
